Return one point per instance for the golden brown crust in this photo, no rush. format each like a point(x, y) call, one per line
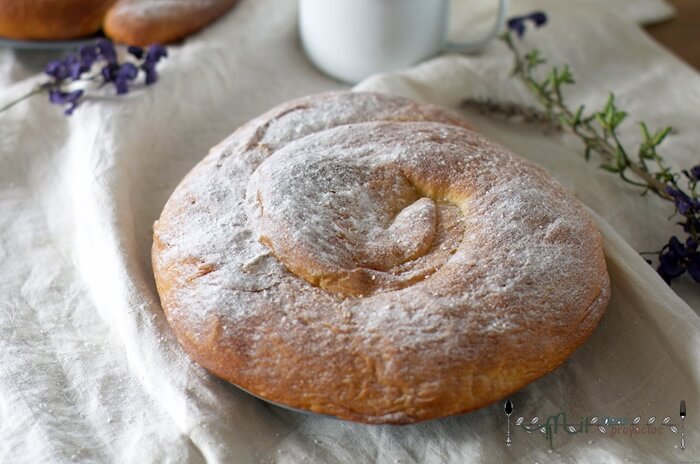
point(524, 287)
point(144, 22)
point(51, 19)
point(132, 22)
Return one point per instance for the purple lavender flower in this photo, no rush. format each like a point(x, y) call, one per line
point(57, 70)
point(109, 72)
point(675, 258)
point(72, 99)
point(77, 66)
point(518, 24)
point(88, 55)
point(694, 267)
point(539, 18)
point(153, 56)
point(156, 52)
point(126, 73)
point(74, 65)
point(695, 172)
point(684, 204)
point(136, 52)
point(119, 75)
point(105, 49)
point(671, 260)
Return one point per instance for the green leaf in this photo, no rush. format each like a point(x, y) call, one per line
point(665, 175)
point(565, 120)
point(565, 77)
point(645, 153)
point(533, 59)
point(605, 117)
point(660, 136)
point(601, 118)
point(577, 116)
point(617, 118)
point(610, 103)
point(645, 132)
point(609, 115)
point(553, 78)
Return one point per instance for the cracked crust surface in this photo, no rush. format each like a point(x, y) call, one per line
point(370, 258)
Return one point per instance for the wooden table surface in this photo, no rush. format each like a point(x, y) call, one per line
point(682, 33)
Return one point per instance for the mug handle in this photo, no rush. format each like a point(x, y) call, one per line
point(478, 44)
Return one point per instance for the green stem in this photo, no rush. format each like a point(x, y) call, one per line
point(36, 90)
point(593, 139)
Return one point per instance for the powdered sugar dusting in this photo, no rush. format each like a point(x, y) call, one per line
point(162, 8)
point(457, 242)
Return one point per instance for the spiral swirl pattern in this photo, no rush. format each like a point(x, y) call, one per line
point(378, 260)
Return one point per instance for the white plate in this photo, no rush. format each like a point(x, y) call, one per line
point(284, 406)
point(47, 44)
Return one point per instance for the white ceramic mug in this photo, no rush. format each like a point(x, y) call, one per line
point(352, 39)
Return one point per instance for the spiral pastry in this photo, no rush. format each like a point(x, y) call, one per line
point(370, 258)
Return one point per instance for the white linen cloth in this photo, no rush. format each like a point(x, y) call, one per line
point(89, 370)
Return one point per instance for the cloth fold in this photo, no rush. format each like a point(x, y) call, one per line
point(90, 371)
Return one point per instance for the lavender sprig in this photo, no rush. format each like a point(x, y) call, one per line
point(598, 131)
point(97, 63)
